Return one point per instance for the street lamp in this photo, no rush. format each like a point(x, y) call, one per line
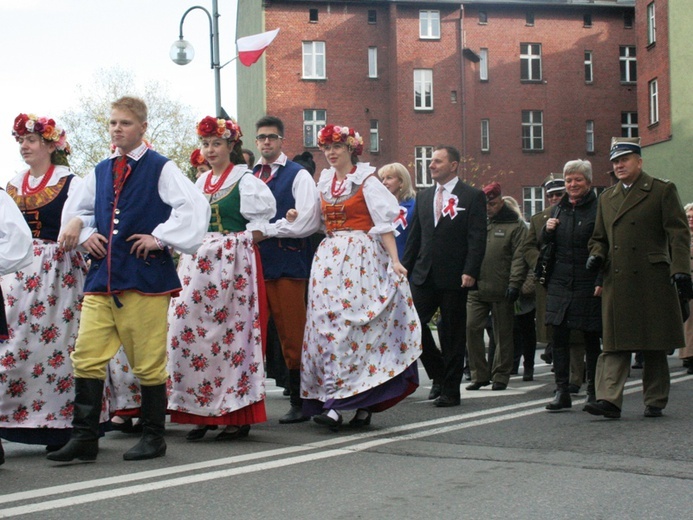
point(183, 53)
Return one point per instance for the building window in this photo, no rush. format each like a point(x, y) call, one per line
point(532, 130)
point(483, 17)
point(529, 18)
point(587, 20)
point(483, 64)
point(654, 101)
point(627, 20)
point(453, 96)
point(422, 160)
point(372, 16)
point(313, 15)
point(485, 135)
point(589, 137)
point(372, 62)
point(429, 24)
point(532, 201)
point(313, 121)
point(651, 26)
point(628, 64)
point(530, 61)
point(589, 70)
point(375, 136)
point(313, 60)
point(423, 89)
point(629, 124)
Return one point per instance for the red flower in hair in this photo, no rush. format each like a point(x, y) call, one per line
point(196, 158)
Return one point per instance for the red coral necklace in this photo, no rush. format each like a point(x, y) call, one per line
point(338, 191)
point(26, 187)
point(213, 187)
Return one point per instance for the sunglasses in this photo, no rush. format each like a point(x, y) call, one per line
point(271, 137)
point(554, 195)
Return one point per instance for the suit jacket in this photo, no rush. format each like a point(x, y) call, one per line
point(643, 237)
point(454, 247)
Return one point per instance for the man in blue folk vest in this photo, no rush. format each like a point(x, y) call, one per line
point(133, 206)
point(285, 251)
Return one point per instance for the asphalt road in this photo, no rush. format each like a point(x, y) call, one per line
point(497, 456)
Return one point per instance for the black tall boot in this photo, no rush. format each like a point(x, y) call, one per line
point(153, 418)
point(84, 442)
point(295, 413)
point(2, 454)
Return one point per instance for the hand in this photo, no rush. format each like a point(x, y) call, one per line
point(598, 291)
point(552, 224)
point(291, 215)
point(142, 245)
point(96, 245)
point(684, 286)
point(258, 236)
point(468, 281)
point(512, 294)
point(399, 269)
point(69, 236)
point(594, 263)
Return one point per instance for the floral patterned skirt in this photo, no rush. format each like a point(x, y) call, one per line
point(122, 387)
point(43, 303)
point(362, 329)
point(214, 340)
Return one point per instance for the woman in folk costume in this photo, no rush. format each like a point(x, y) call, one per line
point(214, 340)
point(43, 300)
point(362, 334)
point(16, 252)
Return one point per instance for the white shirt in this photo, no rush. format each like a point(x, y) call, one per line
point(190, 212)
point(16, 249)
point(307, 205)
point(58, 173)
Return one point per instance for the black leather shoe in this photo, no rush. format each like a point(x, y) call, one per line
point(85, 450)
point(574, 389)
point(477, 385)
point(286, 392)
point(435, 391)
point(445, 401)
point(199, 433)
point(546, 358)
point(326, 420)
point(561, 401)
point(50, 448)
point(2, 454)
point(603, 408)
point(360, 423)
point(239, 433)
point(528, 374)
point(294, 415)
point(499, 386)
point(652, 411)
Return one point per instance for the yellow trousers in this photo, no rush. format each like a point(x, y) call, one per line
point(140, 325)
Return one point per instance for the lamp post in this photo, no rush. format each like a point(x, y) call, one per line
point(183, 53)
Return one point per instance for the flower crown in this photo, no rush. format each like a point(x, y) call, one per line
point(197, 159)
point(43, 126)
point(224, 128)
point(330, 134)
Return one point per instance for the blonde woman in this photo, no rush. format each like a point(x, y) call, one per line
point(397, 180)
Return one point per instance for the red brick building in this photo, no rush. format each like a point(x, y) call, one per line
point(518, 86)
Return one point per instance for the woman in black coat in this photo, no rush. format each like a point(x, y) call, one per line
point(573, 301)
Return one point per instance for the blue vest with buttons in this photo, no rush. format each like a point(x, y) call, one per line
point(138, 209)
point(285, 257)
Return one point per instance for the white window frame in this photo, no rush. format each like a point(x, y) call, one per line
point(485, 135)
point(629, 124)
point(423, 89)
point(589, 67)
point(651, 24)
point(372, 62)
point(532, 130)
point(314, 60)
point(589, 136)
point(628, 64)
point(483, 64)
point(653, 96)
point(530, 56)
point(429, 24)
point(422, 161)
point(312, 124)
point(375, 136)
point(533, 200)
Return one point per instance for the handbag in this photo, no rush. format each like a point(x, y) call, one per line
point(547, 255)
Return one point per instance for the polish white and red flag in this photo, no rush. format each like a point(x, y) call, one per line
point(250, 48)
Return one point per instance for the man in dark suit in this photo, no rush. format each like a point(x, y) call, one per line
point(443, 255)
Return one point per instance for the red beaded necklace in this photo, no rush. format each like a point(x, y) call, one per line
point(213, 187)
point(338, 191)
point(26, 187)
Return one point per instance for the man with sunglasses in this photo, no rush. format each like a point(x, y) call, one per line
point(285, 250)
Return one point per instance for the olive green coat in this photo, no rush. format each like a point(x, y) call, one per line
point(644, 239)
